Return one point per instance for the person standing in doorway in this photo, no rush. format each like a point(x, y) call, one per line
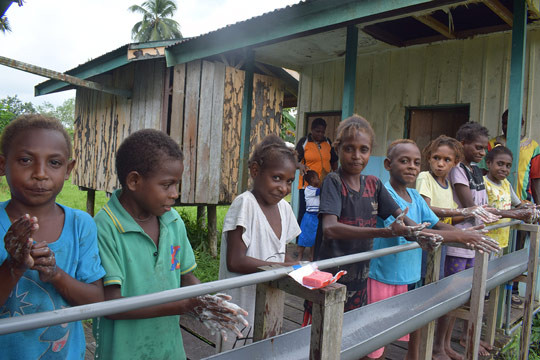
point(315, 152)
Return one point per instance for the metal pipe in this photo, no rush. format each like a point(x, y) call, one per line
point(76, 313)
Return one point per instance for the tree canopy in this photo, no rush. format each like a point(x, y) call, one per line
point(156, 23)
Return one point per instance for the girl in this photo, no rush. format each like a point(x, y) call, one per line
point(501, 195)
point(310, 220)
point(259, 223)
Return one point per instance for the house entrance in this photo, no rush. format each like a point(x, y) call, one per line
point(425, 124)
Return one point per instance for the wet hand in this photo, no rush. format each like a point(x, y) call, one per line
point(398, 227)
point(18, 241)
point(44, 261)
point(427, 241)
point(480, 212)
point(476, 239)
point(218, 314)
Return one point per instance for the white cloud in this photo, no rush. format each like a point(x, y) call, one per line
point(61, 34)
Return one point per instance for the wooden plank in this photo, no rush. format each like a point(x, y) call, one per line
point(216, 134)
point(304, 100)
point(450, 72)
point(328, 88)
point(364, 75)
point(378, 117)
point(472, 76)
point(432, 73)
point(349, 86)
point(166, 96)
point(494, 83)
point(317, 79)
point(491, 314)
point(427, 333)
point(246, 123)
point(177, 106)
point(394, 98)
point(232, 113)
point(269, 304)
point(532, 275)
point(203, 133)
point(339, 79)
point(191, 114)
point(414, 87)
point(533, 106)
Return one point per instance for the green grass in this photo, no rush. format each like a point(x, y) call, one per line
point(207, 267)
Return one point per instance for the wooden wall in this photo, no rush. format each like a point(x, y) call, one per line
point(473, 71)
point(102, 120)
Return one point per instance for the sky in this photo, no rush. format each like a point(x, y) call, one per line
point(62, 34)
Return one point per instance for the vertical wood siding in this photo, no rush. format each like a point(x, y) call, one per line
point(473, 71)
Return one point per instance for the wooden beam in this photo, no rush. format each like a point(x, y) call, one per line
point(532, 274)
point(55, 75)
point(436, 25)
point(501, 11)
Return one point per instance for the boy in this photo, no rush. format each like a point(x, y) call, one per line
point(392, 274)
point(145, 249)
point(50, 266)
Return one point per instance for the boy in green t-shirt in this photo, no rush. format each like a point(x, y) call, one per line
point(145, 249)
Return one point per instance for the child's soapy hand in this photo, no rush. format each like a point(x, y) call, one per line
point(399, 228)
point(44, 261)
point(527, 214)
point(427, 241)
point(476, 239)
point(480, 212)
point(218, 314)
point(18, 241)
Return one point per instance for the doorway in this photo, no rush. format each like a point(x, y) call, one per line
point(424, 124)
point(332, 122)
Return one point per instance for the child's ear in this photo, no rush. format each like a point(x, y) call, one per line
point(71, 165)
point(254, 169)
point(2, 165)
point(387, 162)
point(133, 179)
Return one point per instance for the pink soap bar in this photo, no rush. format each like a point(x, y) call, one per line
point(317, 278)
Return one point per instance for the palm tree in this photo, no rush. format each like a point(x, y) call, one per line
point(4, 24)
point(156, 23)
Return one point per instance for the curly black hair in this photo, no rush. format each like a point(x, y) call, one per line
point(349, 126)
point(497, 150)
point(27, 122)
point(443, 140)
point(310, 175)
point(469, 132)
point(143, 152)
point(270, 149)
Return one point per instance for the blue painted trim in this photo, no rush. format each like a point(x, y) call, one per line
point(517, 80)
point(349, 83)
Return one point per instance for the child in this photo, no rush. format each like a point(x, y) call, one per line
point(442, 155)
point(310, 220)
point(501, 195)
point(469, 190)
point(391, 275)
point(259, 223)
point(145, 249)
point(51, 266)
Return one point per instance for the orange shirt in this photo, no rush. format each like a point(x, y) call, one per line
point(318, 157)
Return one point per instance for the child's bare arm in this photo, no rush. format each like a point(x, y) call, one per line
point(238, 261)
point(458, 215)
point(463, 193)
point(17, 241)
point(75, 292)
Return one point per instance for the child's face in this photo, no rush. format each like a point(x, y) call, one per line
point(273, 182)
point(442, 160)
point(404, 164)
point(354, 152)
point(476, 149)
point(36, 166)
point(500, 167)
point(157, 192)
point(315, 181)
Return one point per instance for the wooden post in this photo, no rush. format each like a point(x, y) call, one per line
point(349, 82)
point(245, 134)
point(269, 303)
point(532, 275)
point(212, 229)
point(478, 293)
point(491, 314)
point(90, 201)
point(327, 314)
point(327, 323)
point(517, 76)
point(427, 333)
point(201, 212)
